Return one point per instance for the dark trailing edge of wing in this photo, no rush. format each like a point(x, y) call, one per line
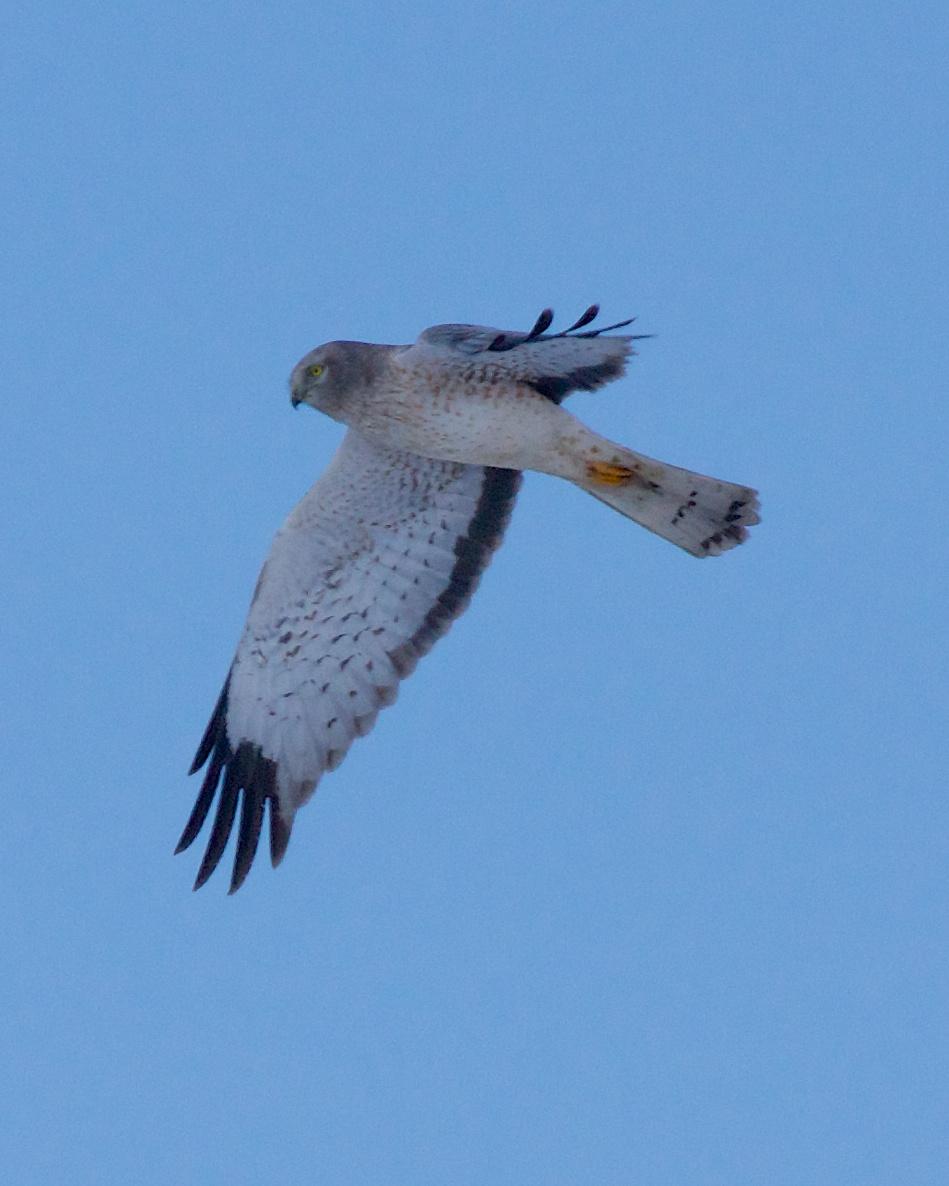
point(247, 770)
point(244, 770)
point(558, 387)
point(472, 553)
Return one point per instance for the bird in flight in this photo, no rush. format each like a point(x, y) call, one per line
point(386, 549)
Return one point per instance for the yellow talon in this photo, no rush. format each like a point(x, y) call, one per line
point(608, 474)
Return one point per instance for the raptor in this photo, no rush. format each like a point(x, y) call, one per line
point(386, 549)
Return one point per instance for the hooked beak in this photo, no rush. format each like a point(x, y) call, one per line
point(295, 400)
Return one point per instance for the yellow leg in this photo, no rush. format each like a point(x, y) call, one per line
point(606, 473)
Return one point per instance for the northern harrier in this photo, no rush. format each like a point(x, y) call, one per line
point(386, 549)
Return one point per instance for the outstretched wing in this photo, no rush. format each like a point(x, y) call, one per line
point(553, 364)
point(372, 567)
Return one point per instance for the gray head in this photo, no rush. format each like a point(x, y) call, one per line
point(329, 375)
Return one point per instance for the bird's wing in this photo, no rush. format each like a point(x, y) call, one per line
point(372, 567)
point(554, 364)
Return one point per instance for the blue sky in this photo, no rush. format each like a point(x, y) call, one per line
point(644, 879)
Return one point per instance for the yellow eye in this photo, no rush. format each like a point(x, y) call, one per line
point(316, 370)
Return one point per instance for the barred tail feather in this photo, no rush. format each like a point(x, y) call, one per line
point(704, 516)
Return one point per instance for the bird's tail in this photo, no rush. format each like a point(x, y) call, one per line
point(705, 516)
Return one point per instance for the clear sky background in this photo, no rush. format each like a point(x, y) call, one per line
point(645, 879)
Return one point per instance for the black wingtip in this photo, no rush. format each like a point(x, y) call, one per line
point(584, 319)
point(503, 341)
point(605, 329)
point(245, 770)
point(224, 819)
point(223, 822)
point(280, 830)
point(214, 731)
point(541, 325)
point(252, 816)
point(205, 798)
point(252, 813)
